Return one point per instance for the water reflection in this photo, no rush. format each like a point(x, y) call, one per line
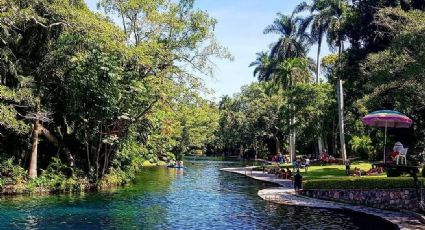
point(200, 197)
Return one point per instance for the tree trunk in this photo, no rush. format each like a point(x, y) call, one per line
point(87, 151)
point(320, 144)
point(318, 60)
point(335, 137)
point(241, 154)
point(255, 149)
point(277, 141)
point(341, 121)
point(32, 172)
point(52, 139)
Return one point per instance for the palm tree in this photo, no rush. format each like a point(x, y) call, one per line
point(263, 67)
point(324, 19)
point(292, 43)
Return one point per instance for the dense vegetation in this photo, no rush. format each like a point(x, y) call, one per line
point(379, 56)
point(87, 98)
point(84, 101)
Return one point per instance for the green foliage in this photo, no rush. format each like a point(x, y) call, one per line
point(112, 98)
point(9, 169)
point(116, 177)
point(361, 183)
point(362, 147)
point(56, 178)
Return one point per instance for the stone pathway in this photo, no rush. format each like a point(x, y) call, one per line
point(285, 194)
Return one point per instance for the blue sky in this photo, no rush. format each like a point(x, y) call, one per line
point(240, 28)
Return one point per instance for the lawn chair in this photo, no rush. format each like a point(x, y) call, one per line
point(402, 155)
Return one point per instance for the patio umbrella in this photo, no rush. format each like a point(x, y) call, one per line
point(387, 119)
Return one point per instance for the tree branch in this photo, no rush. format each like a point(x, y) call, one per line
point(47, 26)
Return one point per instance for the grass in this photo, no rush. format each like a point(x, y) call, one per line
point(334, 177)
point(316, 172)
point(334, 171)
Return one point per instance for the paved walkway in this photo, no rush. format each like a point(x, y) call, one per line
point(285, 194)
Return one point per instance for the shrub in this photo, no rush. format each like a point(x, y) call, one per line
point(423, 171)
point(58, 177)
point(361, 183)
point(362, 147)
point(12, 171)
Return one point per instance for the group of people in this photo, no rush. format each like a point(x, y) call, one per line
point(287, 174)
point(299, 163)
point(173, 163)
point(375, 170)
point(283, 174)
point(326, 158)
point(279, 158)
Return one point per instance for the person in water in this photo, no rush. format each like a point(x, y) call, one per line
point(171, 163)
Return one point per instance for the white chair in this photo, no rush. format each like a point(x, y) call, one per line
point(402, 155)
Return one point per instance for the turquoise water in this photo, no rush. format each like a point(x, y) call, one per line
point(200, 197)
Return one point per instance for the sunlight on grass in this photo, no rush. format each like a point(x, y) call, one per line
point(334, 171)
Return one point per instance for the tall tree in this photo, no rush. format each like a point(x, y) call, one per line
point(292, 42)
point(323, 19)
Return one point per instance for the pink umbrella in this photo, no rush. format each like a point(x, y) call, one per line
point(387, 119)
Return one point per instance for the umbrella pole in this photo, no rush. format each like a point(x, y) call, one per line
point(385, 140)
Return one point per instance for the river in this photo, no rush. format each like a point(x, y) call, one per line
point(199, 197)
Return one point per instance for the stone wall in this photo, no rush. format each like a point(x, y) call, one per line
point(379, 198)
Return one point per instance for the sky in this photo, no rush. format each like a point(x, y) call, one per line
point(240, 29)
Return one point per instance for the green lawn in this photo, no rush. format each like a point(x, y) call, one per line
point(330, 171)
point(334, 171)
point(334, 177)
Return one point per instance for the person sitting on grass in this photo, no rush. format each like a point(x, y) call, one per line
point(324, 156)
point(375, 170)
point(357, 172)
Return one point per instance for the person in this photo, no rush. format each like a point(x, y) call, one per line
point(307, 164)
point(288, 173)
point(274, 159)
point(282, 174)
point(171, 163)
point(398, 147)
point(298, 163)
point(372, 171)
point(280, 158)
point(297, 180)
point(294, 164)
point(357, 172)
point(324, 156)
point(347, 167)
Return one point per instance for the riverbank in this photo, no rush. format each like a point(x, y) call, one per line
point(57, 182)
point(285, 194)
